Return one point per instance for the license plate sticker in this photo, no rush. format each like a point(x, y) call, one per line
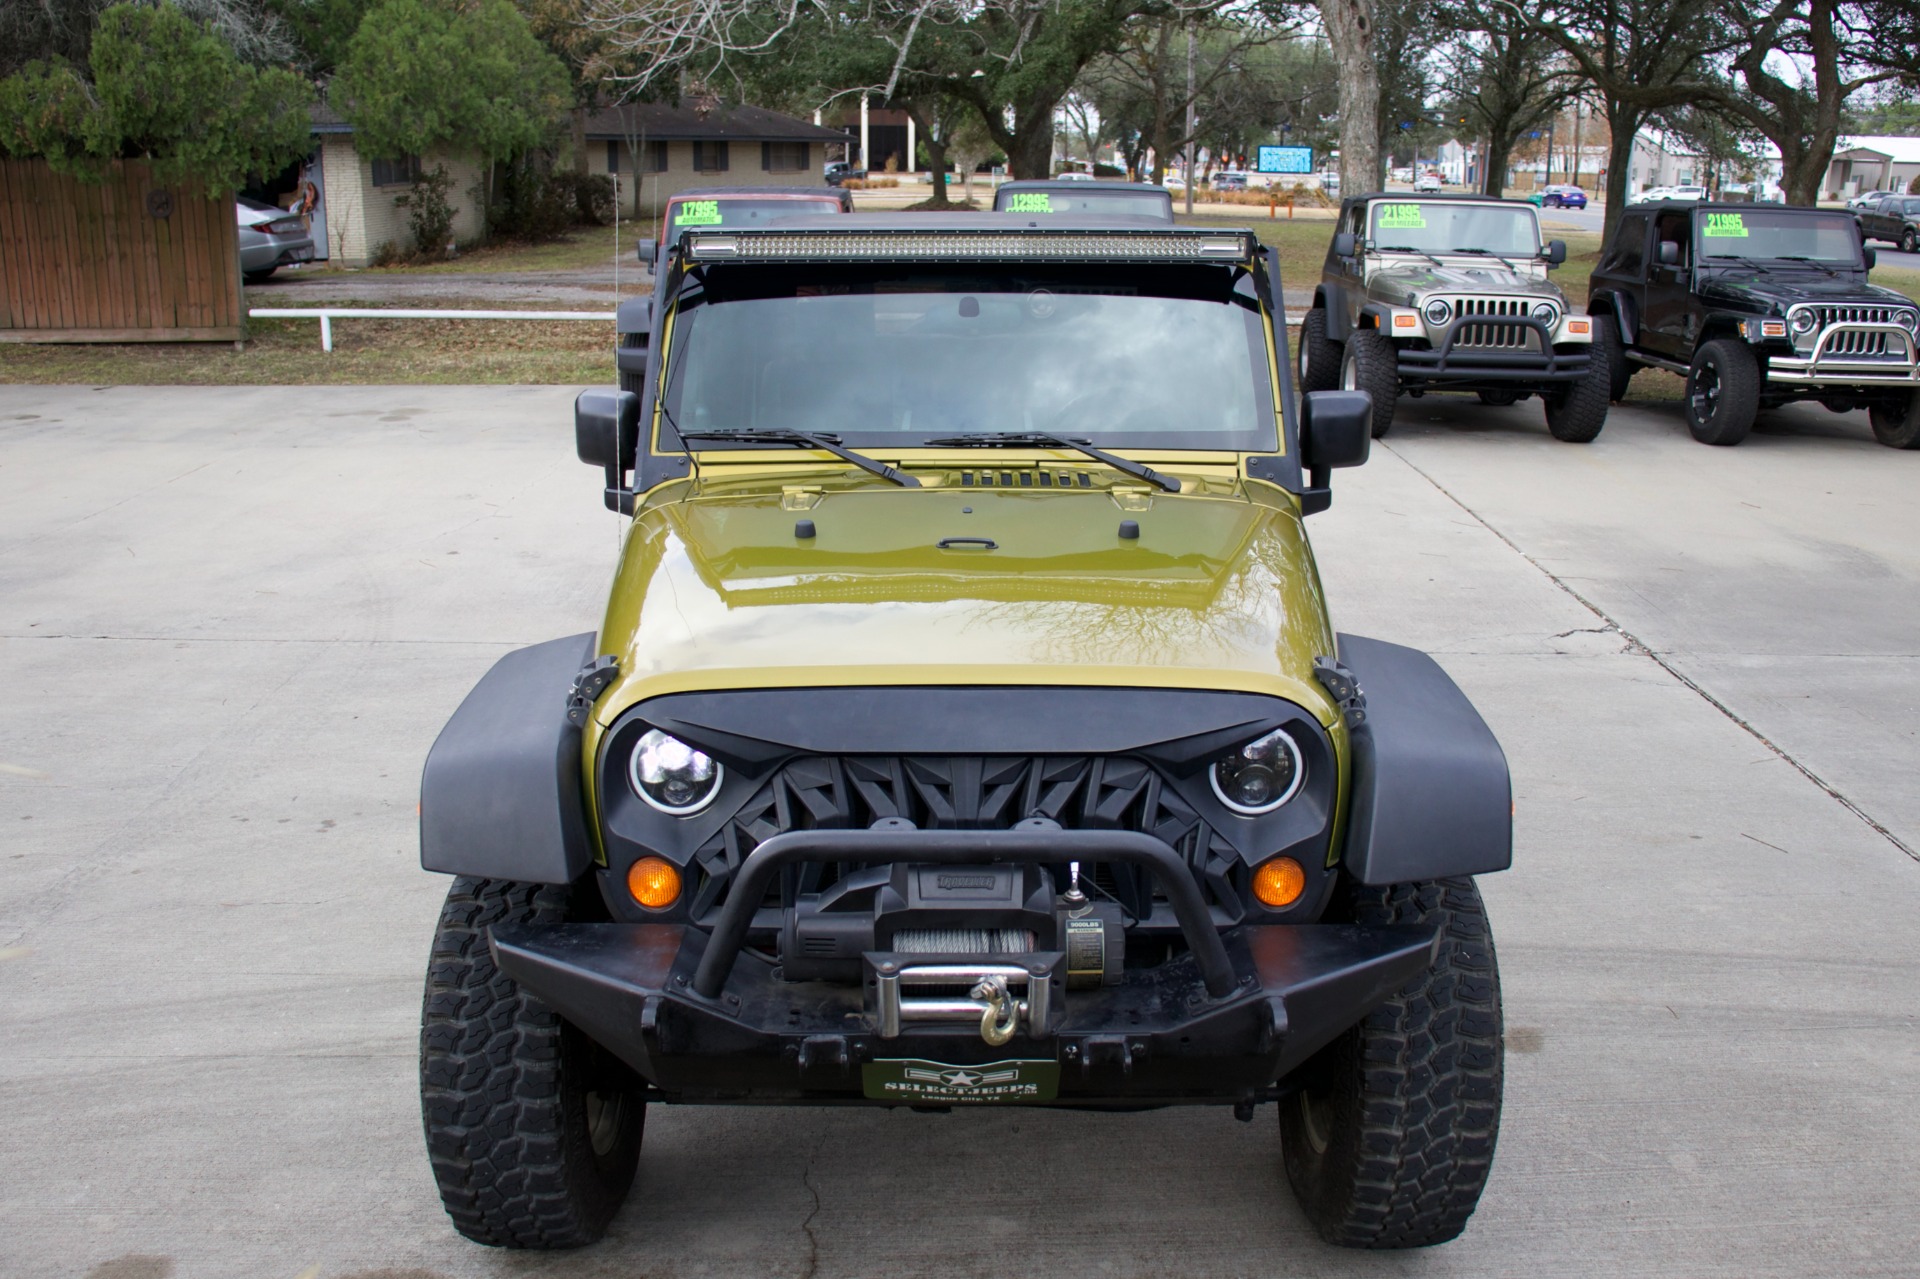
point(936, 1083)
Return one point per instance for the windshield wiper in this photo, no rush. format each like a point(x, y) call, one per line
point(825, 443)
point(1015, 439)
point(1735, 257)
point(1408, 248)
point(1487, 253)
point(1794, 257)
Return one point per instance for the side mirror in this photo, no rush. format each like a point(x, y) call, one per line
point(1343, 244)
point(648, 252)
point(1556, 252)
point(606, 428)
point(1867, 253)
point(1669, 253)
point(1336, 429)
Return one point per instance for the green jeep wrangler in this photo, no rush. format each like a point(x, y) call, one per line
point(966, 727)
point(1450, 293)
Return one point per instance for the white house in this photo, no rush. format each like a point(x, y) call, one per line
point(357, 213)
point(1873, 162)
point(653, 150)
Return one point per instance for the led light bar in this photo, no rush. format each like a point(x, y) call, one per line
point(969, 246)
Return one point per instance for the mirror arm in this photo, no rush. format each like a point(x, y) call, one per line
point(1317, 495)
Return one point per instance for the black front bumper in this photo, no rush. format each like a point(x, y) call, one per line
point(1453, 366)
point(1156, 1038)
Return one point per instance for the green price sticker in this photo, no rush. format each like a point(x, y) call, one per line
point(697, 213)
point(1401, 217)
point(1029, 202)
point(1726, 226)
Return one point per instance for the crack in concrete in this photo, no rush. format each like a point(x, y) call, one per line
point(813, 1240)
point(1636, 645)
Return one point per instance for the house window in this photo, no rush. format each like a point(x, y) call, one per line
point(784, 157)
point(710, 157)
point(397, 172)
point(653, 157)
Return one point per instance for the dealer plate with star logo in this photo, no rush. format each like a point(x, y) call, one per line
point(936, 1083)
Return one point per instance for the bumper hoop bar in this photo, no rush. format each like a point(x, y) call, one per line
point(1033, 840)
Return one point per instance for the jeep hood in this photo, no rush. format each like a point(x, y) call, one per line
point(1406, 284)
point(1764, 291)
point(717, 591)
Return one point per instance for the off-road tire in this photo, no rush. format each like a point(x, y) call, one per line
point(1389, 1142)
point(1620, 369)
point(533, 1131)
point(1319, 358)
point(1723, 392)
point(1577, 410)
point(1369, 364)
point(1896, 425)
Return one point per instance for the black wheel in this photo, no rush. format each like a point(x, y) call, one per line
point(1499, 397)
point(1896, 423)
point(1369, 364)
point(1389, 1141)
point(1620, 369)
point(259, 277)
point(1909, 242)
point(1577, 410)
point(1319, 361)
point(532, 1129)
point(1723, 391)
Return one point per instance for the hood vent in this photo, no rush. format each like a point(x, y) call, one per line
point(1011, 479)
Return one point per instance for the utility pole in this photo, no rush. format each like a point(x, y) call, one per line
point(1550, 124)
point(1190, 122)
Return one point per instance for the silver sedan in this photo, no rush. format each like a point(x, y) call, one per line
point(270, 238)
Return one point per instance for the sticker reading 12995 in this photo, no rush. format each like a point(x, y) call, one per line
point(911, 1079)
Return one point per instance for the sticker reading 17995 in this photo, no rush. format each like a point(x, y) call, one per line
point(911, 1079)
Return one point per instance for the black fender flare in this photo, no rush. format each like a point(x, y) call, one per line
point(1619, 306)
point(1431, 794)
point(1331, 298)
point(633, 334)
point(1378, 313)
point(501, 796)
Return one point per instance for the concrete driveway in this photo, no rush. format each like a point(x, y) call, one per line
point(231, 622)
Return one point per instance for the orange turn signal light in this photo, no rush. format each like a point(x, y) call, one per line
point(1406, 321)
point(1279, 882)
point(654, 882)
point(1579, 326)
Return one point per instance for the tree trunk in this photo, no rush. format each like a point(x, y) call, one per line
point(1493, 161)
point(1031, 152)
point(1623, 121)
point(936, 155)
point(1349, 27)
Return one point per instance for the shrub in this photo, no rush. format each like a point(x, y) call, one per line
point(429, 212)
point(869, 184)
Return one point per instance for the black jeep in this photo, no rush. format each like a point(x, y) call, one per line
point(1757, 307)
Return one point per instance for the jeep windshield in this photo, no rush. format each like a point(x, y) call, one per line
point(1759, 236)
point(1453, 226)
point(1137, 204)
point(1140, 356)
point(733, 213)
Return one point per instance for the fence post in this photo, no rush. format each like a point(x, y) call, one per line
point(326, 333)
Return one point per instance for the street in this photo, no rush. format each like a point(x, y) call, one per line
point(233, 620)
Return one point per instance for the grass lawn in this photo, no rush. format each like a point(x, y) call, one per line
point(365, 352)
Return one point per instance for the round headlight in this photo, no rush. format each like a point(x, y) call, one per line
point(1908, 320)
point(1438, 312)
point(1260, 776)
point(1545, 313)
point(1803, 320)
point(671, 775)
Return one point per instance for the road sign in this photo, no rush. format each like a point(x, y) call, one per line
point(1286, 160)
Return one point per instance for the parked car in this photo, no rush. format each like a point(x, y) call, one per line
point(1073, 175)
point(1894, 219)
point(1757, 306)
point(846, 802)
point(1865, 198)
point(270, 238)
point(1072, 197)
point(1227, 180)
point(1450, 293)
point(1429, 182)
point(837, 171)
point(1652, 195)
point(1688, 193)
point(1559, 196)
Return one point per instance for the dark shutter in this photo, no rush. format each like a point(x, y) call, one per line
point(766, 157)
point(613, 157)
point(720, 155)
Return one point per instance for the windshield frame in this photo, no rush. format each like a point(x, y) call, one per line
point(1377, 236)
point(1704, 255)
point(830, 208)
point(1272, 412)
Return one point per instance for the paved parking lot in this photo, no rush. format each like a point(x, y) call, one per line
point(231, 622)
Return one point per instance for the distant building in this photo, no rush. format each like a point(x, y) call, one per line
point(356, 213)
point(1875, 162)
point(654, 150)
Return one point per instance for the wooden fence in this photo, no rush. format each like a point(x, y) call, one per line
point(122, 260)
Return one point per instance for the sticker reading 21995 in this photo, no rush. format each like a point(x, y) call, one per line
point(936, 1083)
